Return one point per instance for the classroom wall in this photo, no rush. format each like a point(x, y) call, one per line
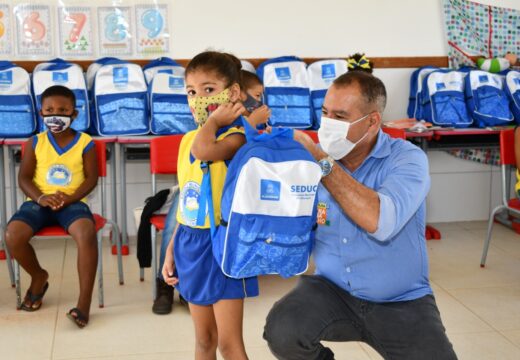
point(461, 190)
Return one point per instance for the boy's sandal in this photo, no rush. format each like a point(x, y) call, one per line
point(77, 317)
point(34, 298)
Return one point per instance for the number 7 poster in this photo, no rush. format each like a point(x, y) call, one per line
point(33, 30)
point(75, 32)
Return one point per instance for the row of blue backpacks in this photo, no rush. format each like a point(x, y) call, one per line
point(465, 97)
point(117, 97)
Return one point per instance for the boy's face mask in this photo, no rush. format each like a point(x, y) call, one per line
point(202, 106)
point(251, 104)
point(57, 123)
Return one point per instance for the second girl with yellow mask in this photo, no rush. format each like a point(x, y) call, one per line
point(216, 301)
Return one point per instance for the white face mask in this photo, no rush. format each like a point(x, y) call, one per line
point(333, 137)
point(57, 123)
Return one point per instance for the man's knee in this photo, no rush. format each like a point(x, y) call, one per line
point(283, 328)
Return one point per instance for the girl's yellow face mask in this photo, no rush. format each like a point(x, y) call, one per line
point(202, 106)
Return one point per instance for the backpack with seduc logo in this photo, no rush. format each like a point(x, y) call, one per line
point(286, 88)
point(61, 72)
point(321, 75)
point(120, 98)
point(268, 207)
point(169, 109)
point(17, 114)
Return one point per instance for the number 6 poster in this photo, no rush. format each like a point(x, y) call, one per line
point(115, 33)
point(153, 37)
point(75, 32)
point(5, 30)
point(33, 30)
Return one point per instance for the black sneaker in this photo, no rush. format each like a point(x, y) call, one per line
point(164, 299)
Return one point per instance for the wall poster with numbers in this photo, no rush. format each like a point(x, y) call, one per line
point(152, 33)
point(115, 31)
point(33, 30)
point(75, 37)
point(5, 30)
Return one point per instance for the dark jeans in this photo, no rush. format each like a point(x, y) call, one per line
point(316, 309)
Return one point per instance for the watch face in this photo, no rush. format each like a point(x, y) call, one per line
point(326, 167)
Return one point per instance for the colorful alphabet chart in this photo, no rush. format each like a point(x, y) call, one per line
point(153, 37)
point(5, 30)
point(75, 32)
point(33, 30)
point(114, 31)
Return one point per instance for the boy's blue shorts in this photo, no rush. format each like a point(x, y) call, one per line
point(38, 217)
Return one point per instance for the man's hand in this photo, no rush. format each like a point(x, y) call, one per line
point(259, 116)
point(226, 114)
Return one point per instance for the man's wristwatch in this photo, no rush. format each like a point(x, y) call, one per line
point(326, 165)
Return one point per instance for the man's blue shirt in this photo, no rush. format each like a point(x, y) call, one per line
point(390, 264)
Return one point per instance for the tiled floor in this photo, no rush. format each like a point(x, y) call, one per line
point(480, 307)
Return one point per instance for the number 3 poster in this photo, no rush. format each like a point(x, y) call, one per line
point(33, 30)
point(75, 32)
point(153, 37)
point(115, 32)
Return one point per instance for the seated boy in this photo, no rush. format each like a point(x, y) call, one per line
point(57, 172)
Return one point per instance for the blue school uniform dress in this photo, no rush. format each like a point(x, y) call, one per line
point(201, 281)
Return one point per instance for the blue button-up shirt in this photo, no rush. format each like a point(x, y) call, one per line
point(392, 263)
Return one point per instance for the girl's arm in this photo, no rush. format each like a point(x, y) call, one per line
point(169, 262)
point(26, 175)
point(205, 146)
point(90, 182)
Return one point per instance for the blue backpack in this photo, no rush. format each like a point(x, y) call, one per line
point(487, 101)
point(321, 75)
point(512, 87)
point(17, 115)
point(416, 85)
point(268, 207)
point(443, 99)
point(286, 87)
point(60, 72)
point(120, 98)
point(169, 109)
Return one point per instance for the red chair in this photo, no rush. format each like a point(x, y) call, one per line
point(164, 152)
point(430, 232)
point(100, 223)
point(313, 134)
point(507, 164)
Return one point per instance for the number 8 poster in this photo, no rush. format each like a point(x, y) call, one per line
point(75, 32)
point(115, 32)
point(5, 30)
point(33, 30)
point(153, 37)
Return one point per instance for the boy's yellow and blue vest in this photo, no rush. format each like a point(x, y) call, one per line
point(190, 179)
point(60, 169)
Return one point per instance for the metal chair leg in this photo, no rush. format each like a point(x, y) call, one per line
point(490, 228)
point(17, 285)
point(115, 239)
point(100, 270)
point(154, 260)
point(10, 268)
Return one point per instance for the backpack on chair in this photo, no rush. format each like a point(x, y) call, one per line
point(16, 102)
point(269, 207)
point(286, 88)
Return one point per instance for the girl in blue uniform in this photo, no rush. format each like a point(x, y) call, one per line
point(216, 301)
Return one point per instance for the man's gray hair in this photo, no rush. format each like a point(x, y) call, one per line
point(372, 88)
